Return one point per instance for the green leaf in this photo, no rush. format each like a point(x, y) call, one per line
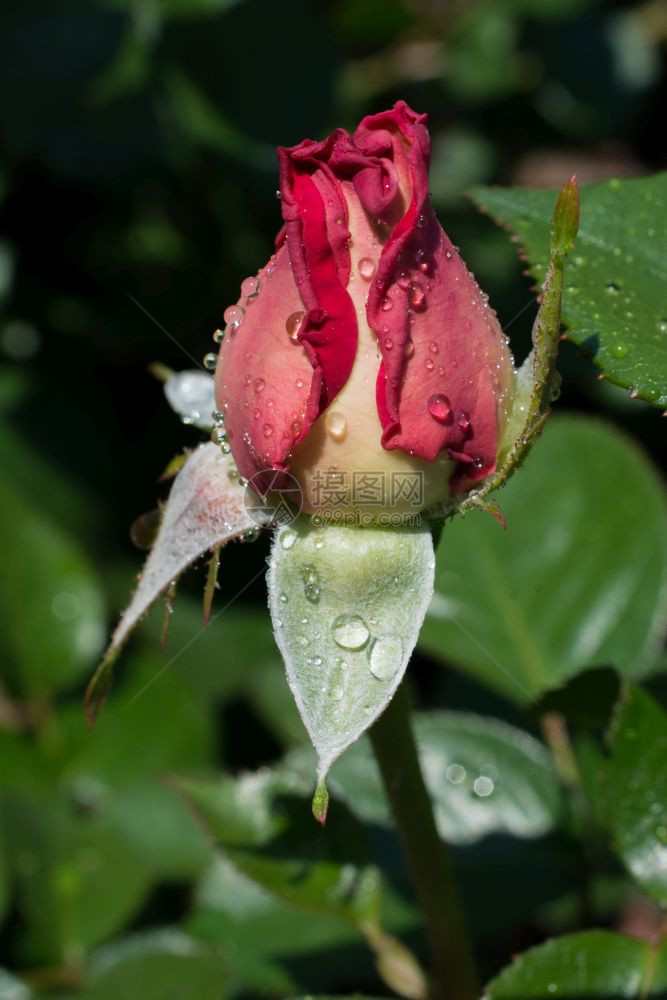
point(634, 790)
point(346, 605)
point(484, 776)
point(268, 835)
point(4, 881)
point(66, 872)
point(50, 605)
point(156, 965)
point(589, 964)
point(614, 302)
point(154, 724)
point(259, 930)
point(578, 579)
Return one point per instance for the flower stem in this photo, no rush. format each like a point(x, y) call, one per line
point(454, 976)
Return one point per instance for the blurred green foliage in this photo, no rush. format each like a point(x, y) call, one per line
point(138, 163)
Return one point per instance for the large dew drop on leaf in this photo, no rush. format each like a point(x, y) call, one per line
point(205, 509)
point(347, 605)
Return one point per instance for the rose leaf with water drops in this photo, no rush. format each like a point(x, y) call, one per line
point(204, 510)
point(614, 302)
point(588, 964)
point(347, 605)
point(601, 562)
point(633, 790)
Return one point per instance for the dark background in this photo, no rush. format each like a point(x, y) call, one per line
point(137, 144)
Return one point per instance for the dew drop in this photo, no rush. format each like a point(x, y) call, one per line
point(483, 786)
point(366, 268)
point(350, 632)
point(421, 221)
point(292, 325)
point(612, 288)
point(250, 287)
point(478, 463)
point(268, 430)
point(210, 361)
point(388, 343)
point(403, 280)
point(311, 583)
point(387, 304)
point(433, 347)
point(455, 773)
point(218, 335)
point(233, 316)
point(417, 296)
point(385, 657)
point(619, 350)
point(336, 425)
point(259, 384)
point(287, 540)
point(463, 420)
point(430, 364)
point(299, 383)
point(440, 408)
point(409, 348)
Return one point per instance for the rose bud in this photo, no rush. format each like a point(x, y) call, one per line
point(365, 344)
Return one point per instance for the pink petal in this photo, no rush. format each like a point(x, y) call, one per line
point(264, 380)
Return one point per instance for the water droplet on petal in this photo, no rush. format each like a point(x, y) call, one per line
point(409, 348)
point(210, 361)
point(366, 268)
point(433, 347)
point(336, 425)
point(218, 336)
point(619, 350)
point(403, 280)
point(292, 325)
point(440, 408)
point(259, 385)
point(233, 316)
point(250, 287)
point(463, 420)
point(268, 430)
point(430, 364)
point(350, 632)
point(421, 221)
point(478, 463)
point(387, 304)
point(417, 296)
point(385, 657)
point(388, 343)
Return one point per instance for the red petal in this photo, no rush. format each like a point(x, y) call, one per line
point(316, 217)
point(445, 341)
point(263, 379)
